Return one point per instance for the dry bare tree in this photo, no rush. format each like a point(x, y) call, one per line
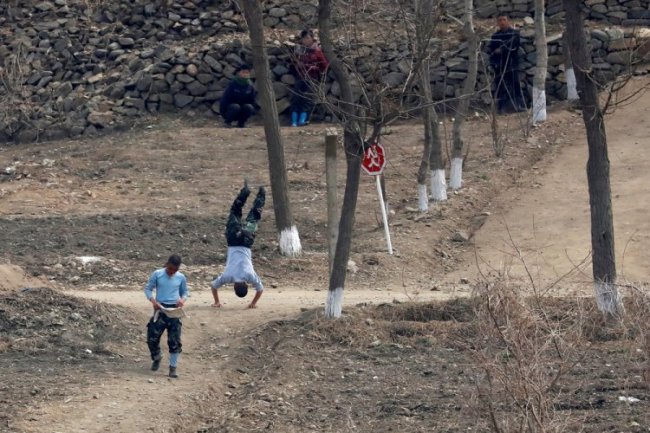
point(456, 169)
point(431, 142)
point(541, 65)
point(353, 144)
point(367, 102)
point(289, 239)
point(426, 13)
point(607, 294)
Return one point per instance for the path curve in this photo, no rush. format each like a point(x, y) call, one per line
point(550, 222)
point(136, 399)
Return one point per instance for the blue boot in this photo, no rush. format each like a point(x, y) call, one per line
point(294, 119)
point(303, 119)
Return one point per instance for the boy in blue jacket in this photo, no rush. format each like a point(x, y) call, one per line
point(170, 287)
point(238, 101)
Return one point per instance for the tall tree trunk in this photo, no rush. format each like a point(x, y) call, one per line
point(456, 170)
point(569, 74)
point(424, 27)
point(421, 49)
point(539, 81)
point(289, 238)
point(436, 163)
point(353, 155)
point(602, 221)
point(423, 198)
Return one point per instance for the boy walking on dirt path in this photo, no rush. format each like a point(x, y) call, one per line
point(240, 238)
point(171, 294)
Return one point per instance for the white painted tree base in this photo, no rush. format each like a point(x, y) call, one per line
point(608, 298)
point(438, 185)
point(290, 242)
point(423, 199)
point(539, 106)
point(334, 304)
point(456, 174)
point(571, 85)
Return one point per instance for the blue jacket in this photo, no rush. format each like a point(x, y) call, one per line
point(238, 94)
point(168, 289)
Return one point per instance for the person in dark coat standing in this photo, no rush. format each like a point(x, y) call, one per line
point(238, 101)
point(310, 64)
point(504, 59)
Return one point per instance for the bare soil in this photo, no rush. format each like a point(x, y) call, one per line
point(544, 225)
point(93, 218)
point(49, 340)
point(413, 367)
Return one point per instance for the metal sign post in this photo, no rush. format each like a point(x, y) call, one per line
point(384, 215)
point(374, 161)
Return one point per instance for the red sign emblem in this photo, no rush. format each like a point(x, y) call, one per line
point(374, 159)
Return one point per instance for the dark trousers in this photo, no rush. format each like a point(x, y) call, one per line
point(507, 90)
point(156, 329)
point(239, 112)
point(302, 98)
point(238, 235)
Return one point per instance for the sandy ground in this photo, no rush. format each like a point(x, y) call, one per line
point(12, 277)
point(130, 400)
point(550, 223)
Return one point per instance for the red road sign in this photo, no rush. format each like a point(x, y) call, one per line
point(374, 159)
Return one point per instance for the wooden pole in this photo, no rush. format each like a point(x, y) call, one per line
point(331, 141)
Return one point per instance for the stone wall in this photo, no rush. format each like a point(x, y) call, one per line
point(68, 70)
point(619, 12)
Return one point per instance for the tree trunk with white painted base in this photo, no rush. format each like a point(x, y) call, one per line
point(436, 164)
point(456, 166)
point(423, 198)
point(432, 137)
point(569, 74)
point(353, 156)
point(541, 67)
point(424, 28)
point(572, 87)
point(289, 239)
point(608, 298)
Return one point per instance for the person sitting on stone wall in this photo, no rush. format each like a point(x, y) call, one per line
point(238, 101)
point(309, 64)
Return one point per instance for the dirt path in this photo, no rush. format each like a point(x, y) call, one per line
point(134, 399)
point(138, 400)
point(550, 223)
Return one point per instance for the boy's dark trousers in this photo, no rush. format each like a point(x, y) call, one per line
point(156, 328)
point(236, 234)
